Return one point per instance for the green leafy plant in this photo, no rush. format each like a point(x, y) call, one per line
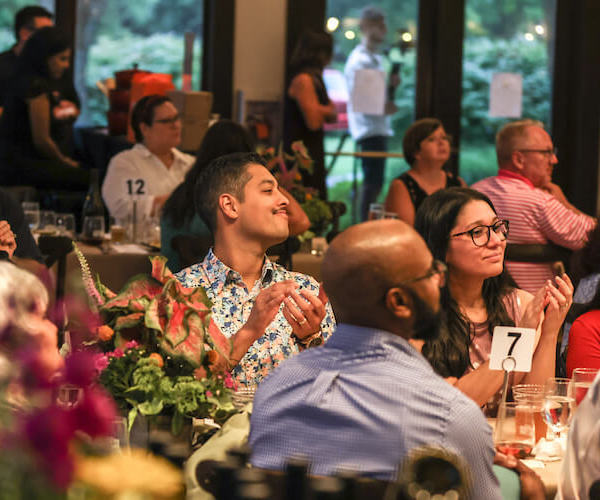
point(159, 345)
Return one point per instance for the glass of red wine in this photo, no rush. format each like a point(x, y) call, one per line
point(515, 430)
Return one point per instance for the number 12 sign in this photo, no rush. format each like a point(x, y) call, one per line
point(512, 342)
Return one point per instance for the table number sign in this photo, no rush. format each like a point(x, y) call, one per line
point(512, 349)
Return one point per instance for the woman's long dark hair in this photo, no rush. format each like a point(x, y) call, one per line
point(43, 44)
point(223, 138)
point(313, 50)
point(434, 220)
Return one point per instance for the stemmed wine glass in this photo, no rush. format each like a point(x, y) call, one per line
point(559, 404)
point(582, 381)
point(31, 209)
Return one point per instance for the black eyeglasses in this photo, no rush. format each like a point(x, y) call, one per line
point(546, 152)
point(168, 121)
point(437, 268)
point(481, 234)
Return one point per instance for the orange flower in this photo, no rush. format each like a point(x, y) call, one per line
point(105, 332)
point(308, 196)
point(158, 358)
point(200, 373)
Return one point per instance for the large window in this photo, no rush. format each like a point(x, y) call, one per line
point(113, 35)
point(343, 20)
point(502, 37)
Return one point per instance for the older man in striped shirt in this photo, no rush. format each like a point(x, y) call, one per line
point(523, 192)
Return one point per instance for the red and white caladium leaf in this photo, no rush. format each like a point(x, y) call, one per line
point(160, 271)
point(137, 287)
point(129, 321)
point(218, 341)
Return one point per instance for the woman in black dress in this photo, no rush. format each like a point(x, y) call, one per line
point(426, 149)
point(36, 126)
point(307, 103)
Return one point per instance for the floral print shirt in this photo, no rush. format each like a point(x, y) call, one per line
point(233, 302)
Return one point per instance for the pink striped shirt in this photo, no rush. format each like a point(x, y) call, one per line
point(536, 217)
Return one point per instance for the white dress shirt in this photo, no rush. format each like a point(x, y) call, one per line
point(138, 174)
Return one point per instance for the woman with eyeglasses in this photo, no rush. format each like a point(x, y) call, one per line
point(426, 149)
point(154, 167)
point(462, 230)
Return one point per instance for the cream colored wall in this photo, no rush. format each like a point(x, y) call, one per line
point(259, 53)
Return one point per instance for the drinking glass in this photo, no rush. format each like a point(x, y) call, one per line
point(65, 224)
point(582, 380)
point(47, 223)
point(559, 403)
point(532, 397)
point(375, 211)
point(390, 215)
point(515, 431)
point(69, 395)
point(31, 209)
point(120, 432)
point(118, 230)
point(93, 229)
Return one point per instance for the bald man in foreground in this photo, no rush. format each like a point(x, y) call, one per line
point(366, 398)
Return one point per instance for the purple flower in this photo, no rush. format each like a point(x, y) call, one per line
point(100, 362)
point(95, 413)
point(132, 344)
point(80, 369)
point(49, 432)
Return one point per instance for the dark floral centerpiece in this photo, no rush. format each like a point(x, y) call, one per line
point(158, 345)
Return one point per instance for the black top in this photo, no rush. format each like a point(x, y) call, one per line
point(8, 70)
point(416, 192)
point(295, 129)
point(11, 211)
point(16, 137)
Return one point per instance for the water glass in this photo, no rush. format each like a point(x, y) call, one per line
point(65, 224)
point(93, 229)
point(390, 215)
point(47, 222)
point(515, 430)
point(559, 403)
point(376, 211)
point(31, 209)
point(120, 432)
point(582, 381)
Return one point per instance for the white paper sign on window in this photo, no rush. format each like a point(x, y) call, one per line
point(506, 95)
point(512, 342)
point(368, 92)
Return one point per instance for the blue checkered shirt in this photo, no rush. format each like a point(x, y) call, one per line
point(362, 402)
point(233, 302)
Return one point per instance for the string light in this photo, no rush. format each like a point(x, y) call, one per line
point(332, 24)
point(529, 37)
point(539, 29)
point(407, 36)
point(350, 35)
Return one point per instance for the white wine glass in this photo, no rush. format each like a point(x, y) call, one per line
point(559, 405)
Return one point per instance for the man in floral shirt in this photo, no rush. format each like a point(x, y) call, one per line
point(269, 313)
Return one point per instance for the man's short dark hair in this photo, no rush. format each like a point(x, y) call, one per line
point(226, 174)
point(371, 14)
point(25, 17)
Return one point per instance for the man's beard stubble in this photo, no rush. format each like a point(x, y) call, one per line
point(427, 322)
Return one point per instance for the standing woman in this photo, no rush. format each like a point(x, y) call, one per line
point(307, 104)
point(462, 229)
point(35, 130)
point(426, 149)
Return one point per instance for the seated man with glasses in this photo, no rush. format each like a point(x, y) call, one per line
point(523, 192)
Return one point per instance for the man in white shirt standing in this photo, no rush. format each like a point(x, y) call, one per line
point(150, 171)
point(370, 131)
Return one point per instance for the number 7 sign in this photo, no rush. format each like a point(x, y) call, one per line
point(512, 342)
